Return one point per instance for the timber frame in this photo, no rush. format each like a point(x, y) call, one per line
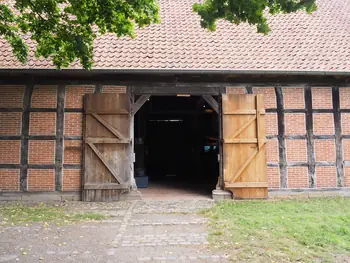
point(171, 84)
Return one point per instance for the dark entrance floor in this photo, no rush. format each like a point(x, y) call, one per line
point(165, 190)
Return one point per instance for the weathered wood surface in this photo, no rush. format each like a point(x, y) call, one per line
point(244, 146)
point(107, 146)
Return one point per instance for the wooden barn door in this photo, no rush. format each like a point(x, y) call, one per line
point(244, 148)
point(108, 149)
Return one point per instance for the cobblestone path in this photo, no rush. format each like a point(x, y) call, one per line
point(139, 231)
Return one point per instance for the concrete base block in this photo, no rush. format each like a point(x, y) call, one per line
point(219, 195)
point(130, 196)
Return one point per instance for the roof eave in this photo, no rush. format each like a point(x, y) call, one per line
point(180, 71)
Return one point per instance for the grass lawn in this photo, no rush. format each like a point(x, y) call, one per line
point(305, 230)
point(15, 214)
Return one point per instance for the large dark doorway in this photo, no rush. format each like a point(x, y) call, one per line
point(176, 147)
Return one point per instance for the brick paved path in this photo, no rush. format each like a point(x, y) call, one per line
point(139, 231)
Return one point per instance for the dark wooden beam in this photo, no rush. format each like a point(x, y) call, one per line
point(74, 110)
point(175, 89)
point(10, 166)
point(281, 138)
point(61, 94)
point(98, 88)
point(338, 136)
point(212, 102)
point(72, 166)
point(139, 103)
point(249, 89)
point(10, 137)
point(41, 166)
point(310, 136)
point(27, 98)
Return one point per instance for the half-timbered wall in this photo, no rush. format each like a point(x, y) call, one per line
point(41, 136)
point(308, 132)
point(308, 135)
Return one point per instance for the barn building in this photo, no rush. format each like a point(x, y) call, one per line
point(230, 110)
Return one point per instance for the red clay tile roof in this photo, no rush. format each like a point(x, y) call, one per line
point(298, 42)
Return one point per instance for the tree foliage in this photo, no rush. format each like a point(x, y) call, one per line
point(250, 11)
point(65, 30)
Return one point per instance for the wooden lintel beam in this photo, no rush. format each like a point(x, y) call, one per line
point(212, 102)
point(139, 103)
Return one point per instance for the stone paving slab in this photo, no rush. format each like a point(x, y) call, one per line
point(156, 207)
point(138, 231)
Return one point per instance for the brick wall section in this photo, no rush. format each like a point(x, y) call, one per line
point(73, 152)
point(44, 97)
point(10, 152)
point(41, 152)
point(10, 123)
point(296, 150)
point(9, 180)
point(322, 98)
point(234, 90)
point(272, 151)
point(326, 176)
point(293, 98)
point(74, 95)
point(347, 176)
point(323, 124)
point(324, 150)
point(73, 124)
point(346, 150)
point(113, 89)
point(344, 94)
point(72, 179)
point(273, 177)
point(269, 96)
point(345, 123)
point(11, 96)
point(41, 180)
point(295, 123)
point(42, 123)
point(298, 177)
point(271, 124)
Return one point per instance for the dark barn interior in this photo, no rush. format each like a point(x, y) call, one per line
point(176, 146)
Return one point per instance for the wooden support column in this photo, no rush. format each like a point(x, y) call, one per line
point(338, 138)
point(310, 137)
point(61, 94)
point(249, 89)
point(27, 98)
point(139, 103)
point(220, 145)
point(98, 88)
point(281, 138)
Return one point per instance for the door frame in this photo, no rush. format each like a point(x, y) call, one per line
point(146, 92)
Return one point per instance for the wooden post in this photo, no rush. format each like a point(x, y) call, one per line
point(25, 137)
point(98, 88)
point(220, 142)
point(338, 138)
point(310, 137)
point(61, 94)
point(281, 138)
